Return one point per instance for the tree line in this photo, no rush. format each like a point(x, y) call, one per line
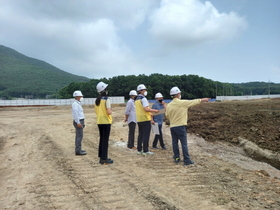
point(192, 86)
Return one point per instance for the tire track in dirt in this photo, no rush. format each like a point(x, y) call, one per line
point(96, 186)
point(60, 186)
point(148, 181)
point(54, 178)
point(224, 189)
point(133, 191)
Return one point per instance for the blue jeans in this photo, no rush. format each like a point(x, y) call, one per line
point(180, 133)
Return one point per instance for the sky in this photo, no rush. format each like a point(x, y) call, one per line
point(233, 41)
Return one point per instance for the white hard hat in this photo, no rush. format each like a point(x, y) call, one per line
point(101, 86)
point(158, 95)
point(141, 87)
point(77, 93)
point(133, 93)
point(174, 91)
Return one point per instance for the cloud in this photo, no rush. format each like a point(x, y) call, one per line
point(80, 38)
point(181, 23)
point(108, 38)
point(126, 14)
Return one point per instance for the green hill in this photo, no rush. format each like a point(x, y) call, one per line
point(257, 88)
point(21, 76)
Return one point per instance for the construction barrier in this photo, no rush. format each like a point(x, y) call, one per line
point(247, 97)
point(56, 102)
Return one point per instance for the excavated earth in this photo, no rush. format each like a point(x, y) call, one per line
point(39, 170)
point(253, 124)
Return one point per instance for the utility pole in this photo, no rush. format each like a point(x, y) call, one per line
point(269, 88)
point(216, 90)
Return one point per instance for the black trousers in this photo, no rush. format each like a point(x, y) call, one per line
point(104, 133)
point(144, 129)
point(131, 134)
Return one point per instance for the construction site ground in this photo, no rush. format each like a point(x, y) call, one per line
point(39, 169)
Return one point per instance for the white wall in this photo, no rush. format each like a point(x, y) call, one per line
point(56, 102)
point(249, 97)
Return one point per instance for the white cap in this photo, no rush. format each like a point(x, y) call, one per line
point(141, 87)
point(174, 91)
point(101, 86)
point(158, 95)
point(77, 93)
point(133, 93)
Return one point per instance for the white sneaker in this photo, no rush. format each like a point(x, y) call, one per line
point(148, 153)
point(139, 153)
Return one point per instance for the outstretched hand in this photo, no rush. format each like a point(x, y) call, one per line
point(205, 99)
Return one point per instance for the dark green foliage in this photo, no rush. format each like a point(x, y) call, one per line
point(192, 86)
point(88, 89)
point(257, 88)
point(21, 75)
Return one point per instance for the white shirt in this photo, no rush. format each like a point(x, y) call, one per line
point(77, 111)
point(145, 102)
point(130, 111)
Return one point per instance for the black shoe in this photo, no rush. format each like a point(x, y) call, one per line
point(105, 162)
point(164, 148)
point(155, 148)
point(81, 153)
point(189, 163)
point(83, 150)
point(177, 160)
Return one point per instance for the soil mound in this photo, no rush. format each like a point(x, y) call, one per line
point(257, 121)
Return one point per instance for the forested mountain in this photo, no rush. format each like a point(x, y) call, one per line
point(192, 86)
point(21, 75)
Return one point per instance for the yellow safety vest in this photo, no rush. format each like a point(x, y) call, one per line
point(141, 114)
point(101, 112)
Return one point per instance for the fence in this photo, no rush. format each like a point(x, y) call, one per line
point(114, 100)
point(55, 102)
point(249, 97)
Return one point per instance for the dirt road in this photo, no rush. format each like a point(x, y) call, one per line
point(40, 171)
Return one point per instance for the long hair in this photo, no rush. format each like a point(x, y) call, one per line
point(98, 99)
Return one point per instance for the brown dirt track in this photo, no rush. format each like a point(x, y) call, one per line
point(40, 171)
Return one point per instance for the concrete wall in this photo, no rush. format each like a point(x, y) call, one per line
point(249, 97)
point(56, 102)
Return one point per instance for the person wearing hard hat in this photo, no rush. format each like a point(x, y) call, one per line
point(159, 104)
point(78, 122)
point(103, 112)
point(130, 118)
point(177, 113)
point(143, 118)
